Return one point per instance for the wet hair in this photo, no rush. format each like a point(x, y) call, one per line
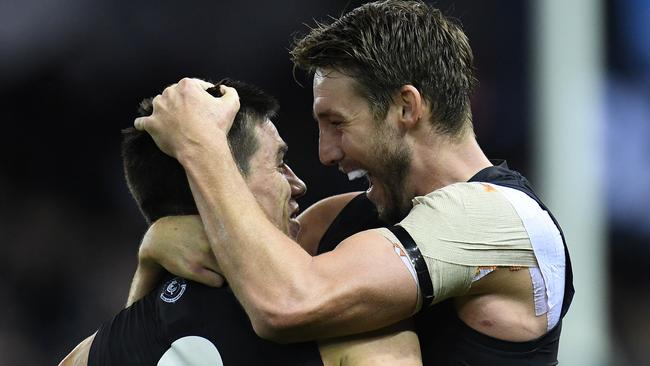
point(384, 45)
point(158, 182)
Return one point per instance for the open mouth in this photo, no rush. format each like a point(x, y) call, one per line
point(295, 209)
point(294, 224)
point(356, 174)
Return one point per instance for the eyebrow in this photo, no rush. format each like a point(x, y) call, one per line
point(328, 114)
point(282, 151)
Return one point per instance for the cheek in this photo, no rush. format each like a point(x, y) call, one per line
point(276, 191)
point(354, 146)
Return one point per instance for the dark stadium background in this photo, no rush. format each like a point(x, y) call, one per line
point(72, 73)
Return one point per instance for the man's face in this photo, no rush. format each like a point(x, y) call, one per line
point(273, 183)
point(350, 137)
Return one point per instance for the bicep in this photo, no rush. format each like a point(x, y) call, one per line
point(362, 285)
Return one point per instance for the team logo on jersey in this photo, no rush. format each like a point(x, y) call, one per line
point(173, 291)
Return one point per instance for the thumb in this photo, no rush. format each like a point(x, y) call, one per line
point(203, 84)
point(230, 96)
point(140, 123)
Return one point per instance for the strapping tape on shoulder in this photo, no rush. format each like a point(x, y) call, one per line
point(421, 269)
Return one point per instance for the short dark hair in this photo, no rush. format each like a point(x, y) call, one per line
point(158, 182)
point(387, 44)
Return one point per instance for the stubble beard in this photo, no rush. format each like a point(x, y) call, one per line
point(392, 165)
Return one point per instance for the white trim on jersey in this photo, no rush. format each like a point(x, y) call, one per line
point(549, 251)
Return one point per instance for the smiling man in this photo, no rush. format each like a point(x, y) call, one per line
point(392, 85)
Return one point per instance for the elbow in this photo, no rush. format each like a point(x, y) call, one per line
point(284, 323)
point(271, 330)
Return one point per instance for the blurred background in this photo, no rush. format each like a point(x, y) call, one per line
point(72, 73)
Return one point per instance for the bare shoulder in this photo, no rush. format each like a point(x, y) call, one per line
point(315, 220)
point(397, 344)
point(79, 355)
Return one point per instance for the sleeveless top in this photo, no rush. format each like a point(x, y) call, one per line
point(444, 338)
point(186, 323)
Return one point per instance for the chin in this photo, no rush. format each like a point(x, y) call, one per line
point(391, 214)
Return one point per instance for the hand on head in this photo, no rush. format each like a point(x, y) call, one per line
point(186, 116)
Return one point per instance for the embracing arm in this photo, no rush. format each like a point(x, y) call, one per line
point(183, 253)
point(179, 245)
point(288, 294)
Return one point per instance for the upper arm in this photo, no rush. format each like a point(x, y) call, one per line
point(361, 285)
point(316, 219)
point(79, 355)
point(394, 345)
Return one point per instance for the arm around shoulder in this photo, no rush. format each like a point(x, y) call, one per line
point(360, 286)
point(317, 218)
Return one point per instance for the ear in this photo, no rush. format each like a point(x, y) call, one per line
point(410, 103)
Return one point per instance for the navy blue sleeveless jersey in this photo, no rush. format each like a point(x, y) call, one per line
point(444, 338)
point(182, 319)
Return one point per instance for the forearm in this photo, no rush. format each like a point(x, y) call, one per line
point(144, 280)
point(263, 266)
point(276, 281)
point(289, 295)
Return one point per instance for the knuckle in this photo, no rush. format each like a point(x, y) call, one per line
point(185, 82)
point(157, 101)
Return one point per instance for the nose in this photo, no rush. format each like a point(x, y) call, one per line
point(298, 187)
point(329, 149)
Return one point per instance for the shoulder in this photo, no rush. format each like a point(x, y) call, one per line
point(397, 344)
point(458, 192)
point(459, 200)
point(79, 355)
point(315, 220)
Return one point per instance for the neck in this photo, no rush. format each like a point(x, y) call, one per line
point(439, 161)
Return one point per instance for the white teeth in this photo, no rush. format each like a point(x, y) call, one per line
point(356, 174)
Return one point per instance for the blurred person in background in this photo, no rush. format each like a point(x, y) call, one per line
point(392, 82)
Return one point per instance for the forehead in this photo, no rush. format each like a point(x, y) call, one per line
point(335, 94)
point(270, 144)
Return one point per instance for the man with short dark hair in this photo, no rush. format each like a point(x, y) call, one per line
point(186, 323)
point(392, 84)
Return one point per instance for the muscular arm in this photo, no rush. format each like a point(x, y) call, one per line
point(179, 244)
point(185, 252)
point(288, 294)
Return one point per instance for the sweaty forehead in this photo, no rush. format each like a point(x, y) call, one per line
point(271, 144)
